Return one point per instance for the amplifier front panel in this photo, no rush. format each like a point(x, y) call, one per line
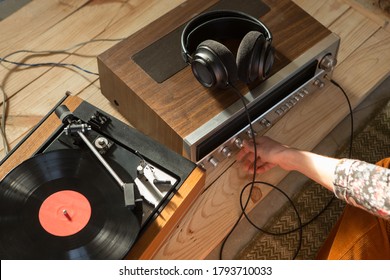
point(219, 138)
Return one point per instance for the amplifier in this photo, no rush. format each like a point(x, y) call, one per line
point(218, 138)
point(147, 80)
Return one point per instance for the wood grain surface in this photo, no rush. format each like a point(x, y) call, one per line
point(47, 25)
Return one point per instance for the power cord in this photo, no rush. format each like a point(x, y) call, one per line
point(49, 64)
point(2, 126)
point(350, 114)
point(253, 182)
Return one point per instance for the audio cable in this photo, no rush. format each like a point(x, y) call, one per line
point(252, 183)
point(351, 137)
point(52, 52)
point(68, 50)
point(49, 64)
point(243, 205)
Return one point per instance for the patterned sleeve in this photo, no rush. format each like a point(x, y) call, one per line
point(363, 185)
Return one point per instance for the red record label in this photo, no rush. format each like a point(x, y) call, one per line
point(64, 213)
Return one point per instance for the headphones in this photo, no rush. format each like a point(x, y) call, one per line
point(212, 63)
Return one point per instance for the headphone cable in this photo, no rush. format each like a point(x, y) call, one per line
point(252, 184)
point(254, 181)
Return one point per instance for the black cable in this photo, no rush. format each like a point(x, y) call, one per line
point(65, 51)
point(50, 64)
point(254, 168)
point(350, 115)
point(300, 225)
point(52, 52)
point(253, 182)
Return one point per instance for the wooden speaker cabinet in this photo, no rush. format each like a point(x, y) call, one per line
point(149, 83)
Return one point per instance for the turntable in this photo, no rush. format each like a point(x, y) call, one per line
point(83, 185)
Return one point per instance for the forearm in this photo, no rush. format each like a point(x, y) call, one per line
point(316, 167)
point(357, 182)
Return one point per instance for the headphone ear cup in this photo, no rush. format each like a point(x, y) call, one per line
point(213, 64)
point(250, 56)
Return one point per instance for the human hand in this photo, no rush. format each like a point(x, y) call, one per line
point(269, 153)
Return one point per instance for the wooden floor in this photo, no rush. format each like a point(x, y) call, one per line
point(363, 63)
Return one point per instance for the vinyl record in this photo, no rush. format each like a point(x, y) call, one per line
point(64, 205)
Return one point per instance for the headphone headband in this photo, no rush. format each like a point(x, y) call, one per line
point(232, 23)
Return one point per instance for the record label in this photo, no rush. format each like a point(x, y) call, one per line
point(64, 213)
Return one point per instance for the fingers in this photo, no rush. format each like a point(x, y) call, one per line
point(246, 157)
point(247, 161)
point(248, 146)
point(244, 153)
point(264, 168)
point(261, 167)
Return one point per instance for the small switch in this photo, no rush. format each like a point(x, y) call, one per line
point(319, 83)
point(238, 143)
point(279, 112)
point(265, 123)
point(226, 152)
point(250, 134)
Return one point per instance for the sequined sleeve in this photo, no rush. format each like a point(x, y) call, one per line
point(364, 185)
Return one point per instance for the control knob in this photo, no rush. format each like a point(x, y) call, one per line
point(214, 162)
point(328, 62)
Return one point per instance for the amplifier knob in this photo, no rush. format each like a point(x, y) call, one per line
point(226, 152)
point(328, 62)
point(238, 143)
point(213, 161)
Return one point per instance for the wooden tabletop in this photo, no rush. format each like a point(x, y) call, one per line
point(363, 63)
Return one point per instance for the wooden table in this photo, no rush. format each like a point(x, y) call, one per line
point(363, 63)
